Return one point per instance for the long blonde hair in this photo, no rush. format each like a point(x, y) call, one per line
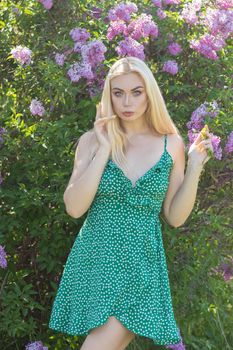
point(156, 115)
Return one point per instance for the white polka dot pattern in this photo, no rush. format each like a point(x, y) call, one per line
point(117, 265)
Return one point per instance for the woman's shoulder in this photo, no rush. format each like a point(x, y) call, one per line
point(88, 136)
point(175, 145)
point(175, 139)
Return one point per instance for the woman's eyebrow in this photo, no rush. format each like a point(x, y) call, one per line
point(116, 88)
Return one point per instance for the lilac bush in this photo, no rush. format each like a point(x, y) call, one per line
point(217, 24)
point(186, 44)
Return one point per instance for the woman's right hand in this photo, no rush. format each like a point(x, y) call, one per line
point(101, 130)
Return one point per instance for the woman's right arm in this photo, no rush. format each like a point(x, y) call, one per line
point(85, 178)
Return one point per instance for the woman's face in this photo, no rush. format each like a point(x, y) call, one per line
point(128, 94)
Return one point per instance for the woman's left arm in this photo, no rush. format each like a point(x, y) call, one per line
point(182, 190)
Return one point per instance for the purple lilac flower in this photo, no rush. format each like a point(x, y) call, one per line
point(115, 28)
point(16, 10)
point(189, 16)
point(2, 131)
point(174, 49)
point(1, 179)
point(189, 10)
point(37, 108)
point(37, 345)
point(171, 2)
point(208, 45)
point(224, 4)
point(157, 3)
point(196, 4)
point(197, 118)
point(96, 12)
point(226, 269)
point(48, 4)
point(22, 55)
point(74, 72)
point(60, 59)
point(3, 261)
point(130, 47)
point(192, 135)
point(213, 109)
point(78, 46)
point(197, 121)
point(229, 144)
point(171, 67)
point(219, 22)
point(143, 26)
point(179, 346)
point(215, 140)
point(86, 71)
point(79, 34)
point(161, 14)
point(93, 52)
point(122, 11)
point(78, 70)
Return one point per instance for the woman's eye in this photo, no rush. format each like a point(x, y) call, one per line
point(139, 92)
point(118, 92)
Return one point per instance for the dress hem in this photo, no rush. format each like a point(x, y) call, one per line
point(104, 320)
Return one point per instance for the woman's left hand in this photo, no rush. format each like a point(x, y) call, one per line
point(198, 150)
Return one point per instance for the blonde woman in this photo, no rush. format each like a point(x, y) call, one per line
point(127, 171)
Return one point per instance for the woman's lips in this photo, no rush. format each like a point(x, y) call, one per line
point(128, 114)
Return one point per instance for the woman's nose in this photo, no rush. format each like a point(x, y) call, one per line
point(126, 100)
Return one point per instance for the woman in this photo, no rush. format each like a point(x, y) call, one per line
point(115, 282)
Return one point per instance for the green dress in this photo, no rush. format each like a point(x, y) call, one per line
point(117, 264)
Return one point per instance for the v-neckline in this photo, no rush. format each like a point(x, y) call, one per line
point(145, 174)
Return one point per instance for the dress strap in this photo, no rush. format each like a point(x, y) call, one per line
point(165, 141)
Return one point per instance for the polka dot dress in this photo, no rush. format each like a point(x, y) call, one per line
point(117, 264)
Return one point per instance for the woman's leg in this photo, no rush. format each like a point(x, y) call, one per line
point(110, 336)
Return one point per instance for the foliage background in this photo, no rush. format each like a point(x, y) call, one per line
point(37, 159)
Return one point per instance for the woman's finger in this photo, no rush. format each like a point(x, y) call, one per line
point(198, 139)
point(105, 119)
